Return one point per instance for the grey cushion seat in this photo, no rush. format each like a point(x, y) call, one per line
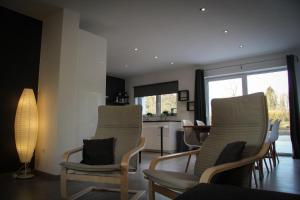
point(174, 180)
point(91, 168)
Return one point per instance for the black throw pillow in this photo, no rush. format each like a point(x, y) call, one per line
point(98, 151)
point(231, 153)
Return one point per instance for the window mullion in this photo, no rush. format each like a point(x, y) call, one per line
point(244, 84)
point(140, 102)
point(158, 104)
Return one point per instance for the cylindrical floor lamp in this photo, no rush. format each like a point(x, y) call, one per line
point(26, 129)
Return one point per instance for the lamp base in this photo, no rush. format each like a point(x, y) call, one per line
point(24, 176)
point(25, 173)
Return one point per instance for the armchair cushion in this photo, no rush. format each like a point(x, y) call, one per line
point(90, 168)
point(98, 151)
point(175, 180)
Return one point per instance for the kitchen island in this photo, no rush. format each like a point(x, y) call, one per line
point(160, 135)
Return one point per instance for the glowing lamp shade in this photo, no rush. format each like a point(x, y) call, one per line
point(26, 125)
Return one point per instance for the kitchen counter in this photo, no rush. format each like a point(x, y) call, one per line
point(162, 120)
point(160, 133)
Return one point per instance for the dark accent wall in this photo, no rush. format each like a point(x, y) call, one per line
point(113, 86)
point(20, 43)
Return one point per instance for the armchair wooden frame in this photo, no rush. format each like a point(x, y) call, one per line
point(116, 178)
point(206, 176)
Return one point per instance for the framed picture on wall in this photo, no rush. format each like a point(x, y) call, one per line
point(183, 95)
point(190, 105)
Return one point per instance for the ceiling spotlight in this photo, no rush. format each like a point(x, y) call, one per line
point(172, 63)
point(226, 31)
point(242, 46)
point(202, 9)
point(155, 57)
point(135, 49)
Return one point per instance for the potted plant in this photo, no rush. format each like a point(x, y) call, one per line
point(149, 115)
point(164, 115)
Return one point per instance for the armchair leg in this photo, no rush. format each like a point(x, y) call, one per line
point(63, 184)
point(254, 175)
point(270, 162)
point(273, 155)
point(124, 187)
point(151, 194)
point(264, 159)
point(276, 155)
point(188, 163)
point(260, 169)
point(277, 158)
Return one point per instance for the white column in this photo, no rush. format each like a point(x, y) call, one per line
point(71, 86)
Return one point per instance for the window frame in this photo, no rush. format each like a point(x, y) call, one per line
point(242, 75)
point(158, 103)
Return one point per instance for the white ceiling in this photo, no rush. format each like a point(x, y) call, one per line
point(177, 31)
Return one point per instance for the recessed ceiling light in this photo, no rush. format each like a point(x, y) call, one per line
point(203, 9)
point(135, 49)
point(172, 63)
point(126, 66)
point(155, 57)
point(226, 31)
point(242, 46)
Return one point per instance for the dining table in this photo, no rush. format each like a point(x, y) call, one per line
point(203, 129)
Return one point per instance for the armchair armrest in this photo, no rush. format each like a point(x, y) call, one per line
point(212, 171)
point(67, 154)
point(126, 157)
point(155, 161)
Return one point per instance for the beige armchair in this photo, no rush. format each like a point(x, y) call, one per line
point(123, 123)
point(233, 119)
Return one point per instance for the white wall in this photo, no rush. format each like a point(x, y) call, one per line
point(91, 83)
point(66, 113)
point(185, 77)
point(257, 63)
point(47, 93)
point(71, 87)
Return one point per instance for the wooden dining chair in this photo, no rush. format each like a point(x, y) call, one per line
point(200, 123)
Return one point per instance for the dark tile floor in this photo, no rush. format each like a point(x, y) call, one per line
point(285, 178)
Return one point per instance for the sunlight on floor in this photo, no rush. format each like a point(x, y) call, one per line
point(284, 145)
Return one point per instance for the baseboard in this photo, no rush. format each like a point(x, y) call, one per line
point(46, 175)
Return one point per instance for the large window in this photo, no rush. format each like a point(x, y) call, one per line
point(223, 88)
point(275, 86)
point(148, 103)
point(168, 102)
point(158, 103)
